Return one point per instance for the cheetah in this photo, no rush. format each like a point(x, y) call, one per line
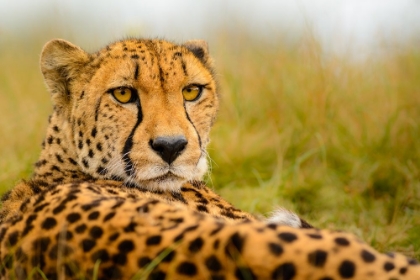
point(117, 190)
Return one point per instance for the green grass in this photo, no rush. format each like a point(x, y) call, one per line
point(335, 141)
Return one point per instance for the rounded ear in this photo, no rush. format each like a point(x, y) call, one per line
point(60, 63)
point(200, 49)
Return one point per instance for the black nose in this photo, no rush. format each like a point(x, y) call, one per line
point(169, 148)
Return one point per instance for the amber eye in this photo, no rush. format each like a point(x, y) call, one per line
point(192, 92)
point(123, 94)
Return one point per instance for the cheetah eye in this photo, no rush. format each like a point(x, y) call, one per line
point(124, 95)
point(192, 92)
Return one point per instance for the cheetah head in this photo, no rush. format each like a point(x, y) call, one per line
point(138, 111)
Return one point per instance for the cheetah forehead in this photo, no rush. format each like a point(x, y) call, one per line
point(152, 63)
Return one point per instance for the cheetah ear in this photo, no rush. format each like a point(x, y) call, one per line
point(60, 63)
point(200, 49)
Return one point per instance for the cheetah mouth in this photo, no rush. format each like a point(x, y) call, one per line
point(167, 177)
point(167, 181)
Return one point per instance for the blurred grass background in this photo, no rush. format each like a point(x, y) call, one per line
point(335, 140)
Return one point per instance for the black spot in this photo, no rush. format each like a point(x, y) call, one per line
point(120, 258)
point(64, 235)
point(49, 223)
point(187, 268)
point(177, 220)
point(96, 232)
point(87, 244)
point(275, 249)
point(157, 275)
point(85, 163)
point(91, 154)
point(317, 258)
point(287, 236)
point(202, 208)
point(367, 256)
point(347, 269)
point(50, 140)
point(272, 226)
point(216, 230)
point(101, 254)
point(69, 270)
point(8, 261)
point(94, 131)
point(41, 244)
point(55, 128)
point(315, 236)
point(284, 271)
point(80, 145)
point(342, 241)
point(112, 272)
point(403, 270)
point(40, 207)
point(39, 164)
point(244, 273)
point(126, 246)
point(109, 216)
point(216, 244)
point(55, 168)
point(131, 227)
point(114, 236)
point(13, 238)
point(73, 217)
point(388, 266)
point(213, 264)
point(234, 245)
point(196, 245)
point(154, 240)
point(169, 257)
point(94, 215)
point(81, 228)
point(412, 261)
point(99, 146)
point(20, 255)
point(61, 249)
point(58, 157)
point(135, 56)
point(59, 209)
point(143, 261)
point(101, 170)
point(89, 206)
point(118, 203)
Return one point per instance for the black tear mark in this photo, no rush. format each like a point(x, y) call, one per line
point(129, 168)
point(196, 131)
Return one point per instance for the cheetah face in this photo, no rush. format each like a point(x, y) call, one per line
point(138, 110)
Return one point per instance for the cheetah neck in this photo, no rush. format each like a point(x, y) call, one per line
point(57, 163)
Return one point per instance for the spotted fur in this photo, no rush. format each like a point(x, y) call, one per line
point(107, 200)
